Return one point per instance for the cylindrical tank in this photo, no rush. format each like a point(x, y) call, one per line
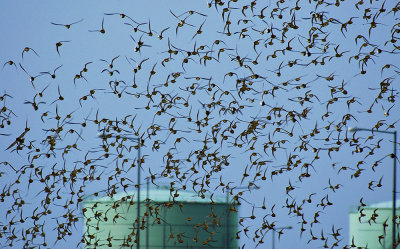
point(167, 220)
point(371, 225)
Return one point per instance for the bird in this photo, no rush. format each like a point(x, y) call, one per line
point(10, 63)
point(58, 45)
point(181, 23)
point(102, 30)
point(110, 64)
point(20, 138)
point(122, 15)
point(139, 44)
point(52, 75)
point(199, 31)
point(67, 26)
point(31, 78)
point(28, 49)
point(160, 35)
point(35, 104)
point(59, 98)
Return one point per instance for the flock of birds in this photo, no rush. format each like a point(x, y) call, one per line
point(256, 92)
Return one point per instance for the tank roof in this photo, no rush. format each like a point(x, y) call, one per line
point(380, 205)
point(385, 204)
point(161, 194)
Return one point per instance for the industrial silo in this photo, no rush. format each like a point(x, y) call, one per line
point(371, 225)
point(167, 220)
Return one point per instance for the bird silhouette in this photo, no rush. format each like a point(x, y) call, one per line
point(67, 26)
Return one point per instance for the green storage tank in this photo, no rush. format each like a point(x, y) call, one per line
point(167, 220)
point(370, 231)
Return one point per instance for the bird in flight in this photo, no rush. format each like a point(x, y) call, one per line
point(67, 26)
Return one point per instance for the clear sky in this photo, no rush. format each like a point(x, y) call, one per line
point(250, 91)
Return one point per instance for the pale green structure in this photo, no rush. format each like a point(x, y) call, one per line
point(370, 231)
point(167, 220)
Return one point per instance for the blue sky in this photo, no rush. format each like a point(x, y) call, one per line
point(27, 24)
